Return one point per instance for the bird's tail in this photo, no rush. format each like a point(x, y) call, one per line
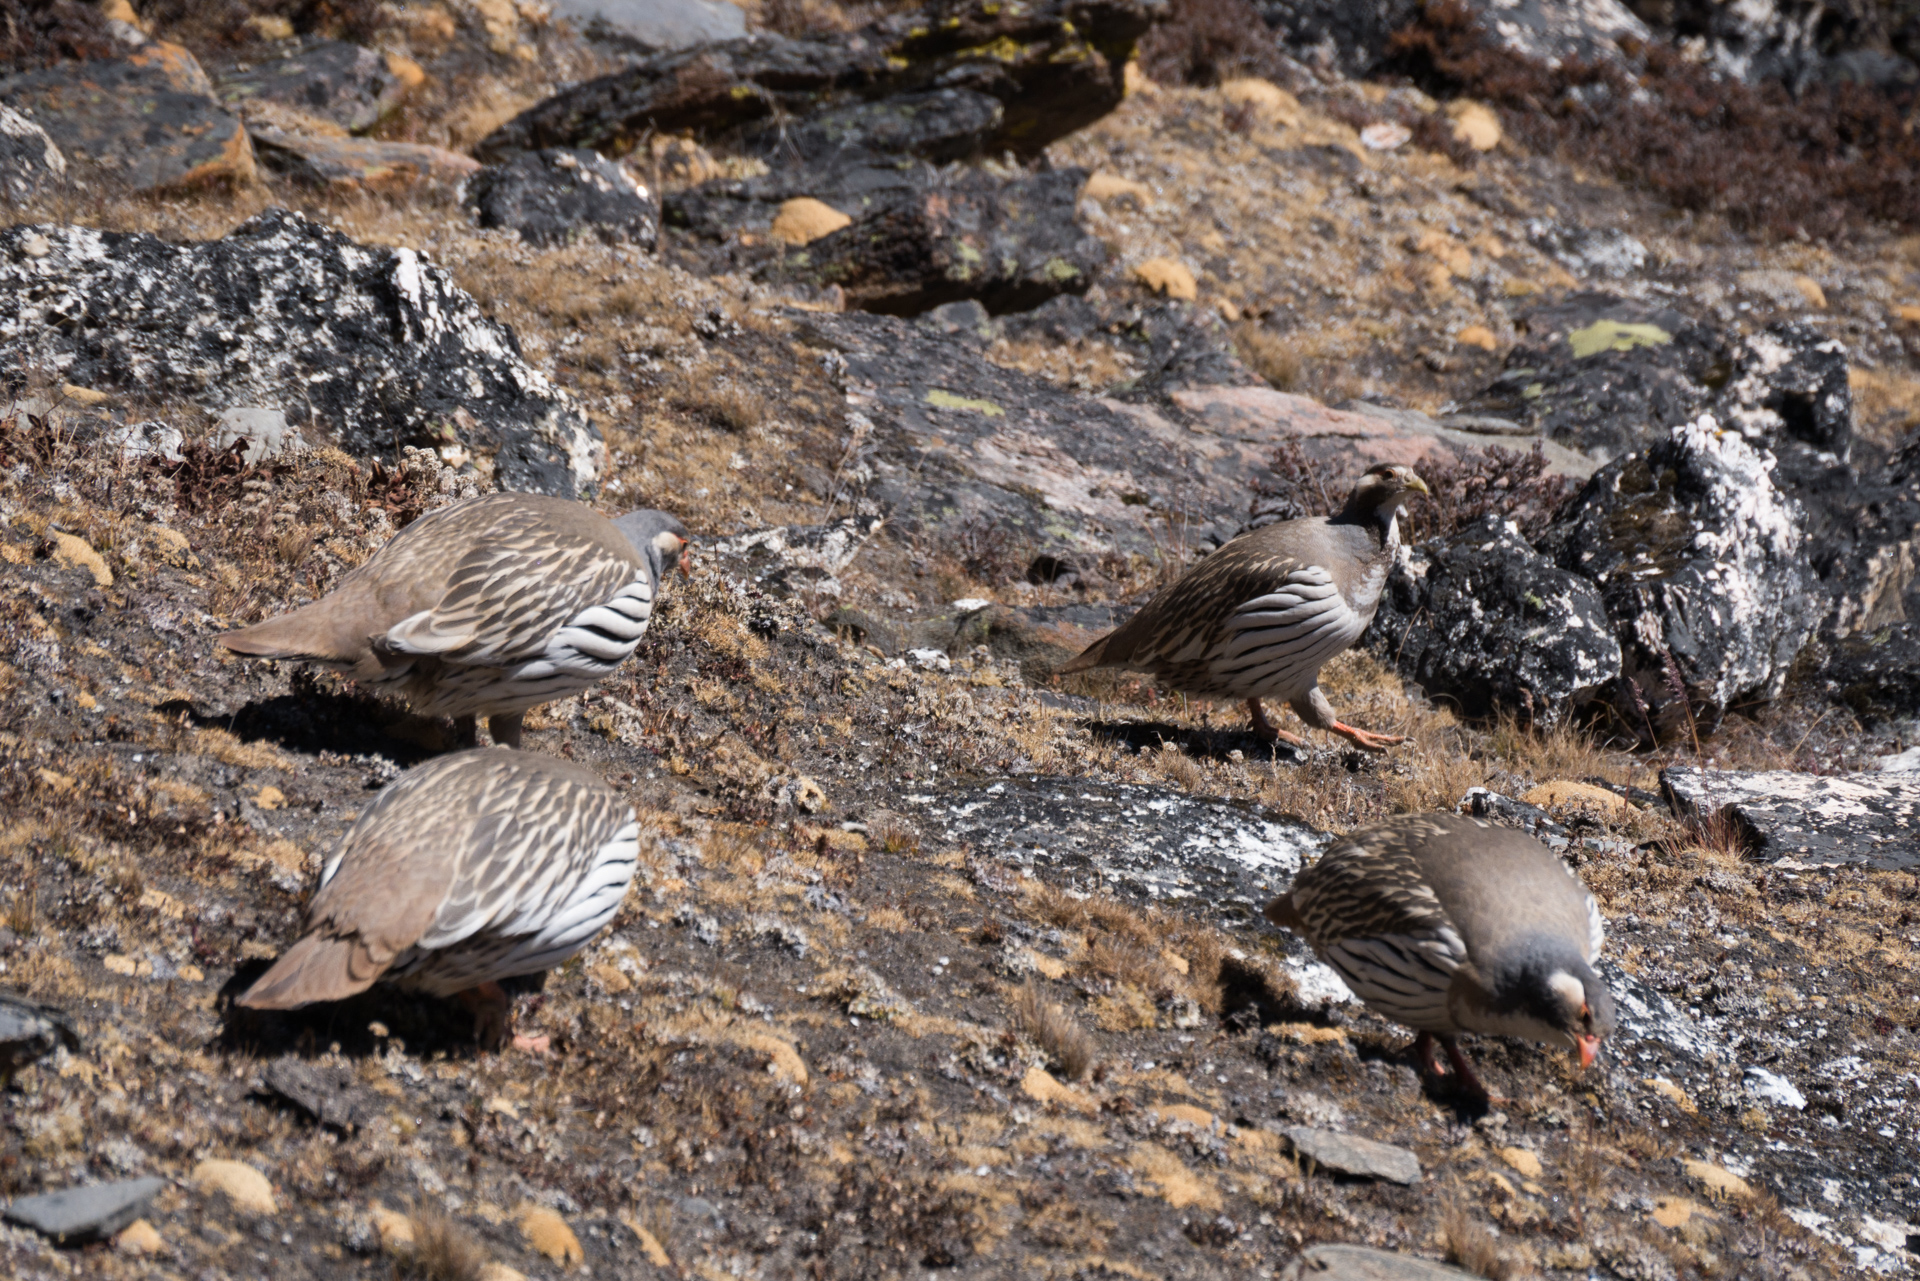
point(1282, 913)
point(312, 633)
point(318, 967)
point(1094, 655)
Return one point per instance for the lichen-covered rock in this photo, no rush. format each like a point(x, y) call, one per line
point(653, 26)
point(29, 162)
point(1605, 374)
point(347, 84)
point(1702, 564)
point(369, 348)
point(1054, 67)
point(30, 1031)
point(1807, 818)
point(1790, 382)
point(554, 197)
point(147, 122)
point(1485, 623)
point(790, 559)
point(1354, 34)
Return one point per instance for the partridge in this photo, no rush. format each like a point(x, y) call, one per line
point(471, 868)
point(1260, 616)
point(1449, 924)
point(488, 607)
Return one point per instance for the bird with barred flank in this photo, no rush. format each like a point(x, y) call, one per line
point(1259, 617)
point(472, 868)
point(1449, 924)
point(488, 607)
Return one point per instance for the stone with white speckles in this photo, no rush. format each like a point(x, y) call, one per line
point(1487, 624)
point(1702, 563)
point(1818, 819)
point(361, 346)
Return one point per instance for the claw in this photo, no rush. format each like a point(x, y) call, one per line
point(1266, 731)
point(1366, 740)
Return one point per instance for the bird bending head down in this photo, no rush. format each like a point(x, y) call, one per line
point(1259, 617)
point(1448, 925)
point(660, 537)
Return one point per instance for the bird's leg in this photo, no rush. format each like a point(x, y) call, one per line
point(1266, 731)
point(493, 1019)
point(506, 729)
point(492, 1013)
point(1423, 1050)
point(466, 731)
point(1316, 711)
point(1469, 1080)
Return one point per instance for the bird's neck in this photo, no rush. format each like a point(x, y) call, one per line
point(1382, 523)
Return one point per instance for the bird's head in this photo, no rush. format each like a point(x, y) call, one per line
point(1383, 490)
point(1553, 996)
point(661, 538)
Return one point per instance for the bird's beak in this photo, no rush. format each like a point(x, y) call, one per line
point(1588, 1048)
point(1418, 486)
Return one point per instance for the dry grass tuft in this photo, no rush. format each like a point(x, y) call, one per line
point(1069, 1048)
point(720, 400)
point(1472, 1247)
point(443, 1249)
point(1269, 355)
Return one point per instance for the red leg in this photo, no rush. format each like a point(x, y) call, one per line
point(1266, 731)
point(493, 1019)
point(1469, 1079)
point(1365, 740)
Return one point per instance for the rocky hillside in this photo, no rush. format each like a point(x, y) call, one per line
point(953, 333)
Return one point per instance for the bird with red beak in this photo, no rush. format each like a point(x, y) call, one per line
point(1449, 925)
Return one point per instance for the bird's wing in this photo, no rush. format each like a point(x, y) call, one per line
point(1280, 639)
point(1186, 622)
point(1370, 915)
point(539, 833)
point(507, 597)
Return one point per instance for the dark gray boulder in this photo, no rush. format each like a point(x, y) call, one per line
point(1358, 1263)
point(1817, 819)
point(1486, 623)
point(1790, 384)
point(555, 197)
point(79, 1216)
point(146, 122)
point(365, 347)
point(29, 1031)
point(1053, 66)
point(1605, 374)
point(1702, 564)
point(30, 163)
point(333, 80)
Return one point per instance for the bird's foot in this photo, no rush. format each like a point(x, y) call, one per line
point(1469, 1080)
point(533, 1044)
point(1365, 740)
point(1266, 731)
point(466, 732)
point(492, 1012)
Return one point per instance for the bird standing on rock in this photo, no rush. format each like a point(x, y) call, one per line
point(1259, 617)
point(466, 870)
point(488, 607)
point(1449, 924)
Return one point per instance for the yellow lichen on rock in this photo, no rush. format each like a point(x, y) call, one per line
point(73, 553)
point(1474, 124)
point(803, 220)
point(1168, 276)
point(549, 1234)
point(242, 1185)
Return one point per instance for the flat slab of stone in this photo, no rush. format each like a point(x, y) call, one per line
point(76, 1216)
point(329, 1093)
point(1821, 820)
point(1357, 1263)
point(359, 163)
point(653, 26)
point(1138, 841)
point(1353, 1156)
